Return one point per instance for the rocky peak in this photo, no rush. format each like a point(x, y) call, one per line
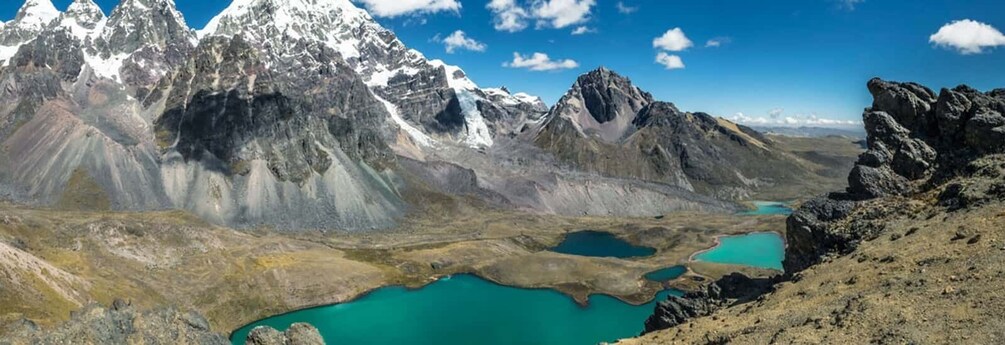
point(137, 24)
point(31, 18)
point(280, 23)
point(601, 103)
point(608, 95)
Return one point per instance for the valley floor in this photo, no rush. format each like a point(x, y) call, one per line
point(54, 262)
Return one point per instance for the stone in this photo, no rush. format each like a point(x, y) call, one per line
point(303, 334)
point(265, 335)
point(297, 334)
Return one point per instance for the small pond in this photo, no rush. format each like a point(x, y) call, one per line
point(602, 244)
point(767, 208)
point(759, 249)
point(666, 274)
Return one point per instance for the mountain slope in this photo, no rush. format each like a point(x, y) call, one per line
point(607, 125)
point(127, 111)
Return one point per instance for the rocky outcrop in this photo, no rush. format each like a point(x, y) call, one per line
point(298, 334)
point(918, 142)
point(120, 323)
point(733, 288)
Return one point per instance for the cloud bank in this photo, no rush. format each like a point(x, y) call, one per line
point(395, 8)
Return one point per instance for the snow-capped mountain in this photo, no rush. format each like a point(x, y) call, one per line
point(33, 16)
point(436, 97)
point(293, 114)
point(82, 18)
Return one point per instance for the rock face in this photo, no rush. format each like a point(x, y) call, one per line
point(918, 141)
point(298, 334)
point(437, 98)
point(120, 324)
point(607, 125)
point(730, 289)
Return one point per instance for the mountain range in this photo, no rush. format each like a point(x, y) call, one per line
point(302, 114)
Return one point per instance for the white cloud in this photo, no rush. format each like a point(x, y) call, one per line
point(460, 40)
point(968, 37)
point(625, 9)
point(394, 8)
point(673, 40)
point(508, 15)
point(717, 42)
point(583, 30)
point(512, 16)
point(562, 13)
point(774, 119)
point(540, 62)
point(776, 112)
point(849, 4)
point(669, 61)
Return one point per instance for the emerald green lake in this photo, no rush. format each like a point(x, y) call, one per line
point(465, 309)
point(666, 274)
point(765, 208)
point(761, 249)
point(602, 244)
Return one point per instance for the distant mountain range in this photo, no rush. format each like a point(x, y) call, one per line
point(300, 114)
point(813, 132)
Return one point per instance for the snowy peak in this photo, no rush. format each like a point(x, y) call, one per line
point(313, 19)
point(136, 24)
point(36, 13)
point(33, 16)
point(83, 18)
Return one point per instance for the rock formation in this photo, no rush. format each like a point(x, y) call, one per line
point(298, 334)
point(917, 142)
point(733, 288)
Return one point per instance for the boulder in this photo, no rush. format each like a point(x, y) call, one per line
point(298, 334)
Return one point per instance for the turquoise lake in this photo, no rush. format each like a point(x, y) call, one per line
point(601, 244)
point(762, 249)
point(666, 274)
point(465, 309)
point(765, 208)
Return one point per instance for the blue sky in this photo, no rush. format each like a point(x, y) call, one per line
point(787, 58)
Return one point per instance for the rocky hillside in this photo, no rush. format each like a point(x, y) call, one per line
point(120, 323)
point(608, 125)
point(910, 253)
